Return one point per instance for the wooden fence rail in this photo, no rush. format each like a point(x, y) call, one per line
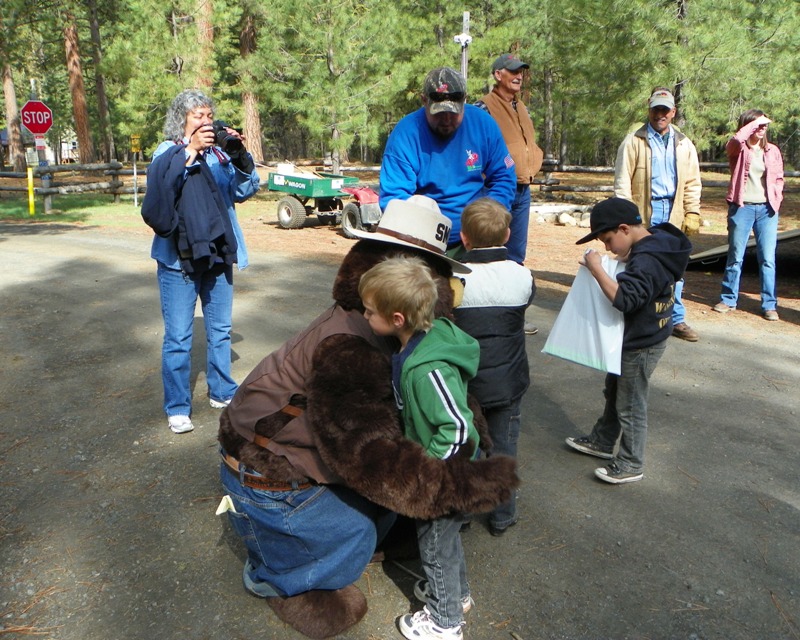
point(547, 180)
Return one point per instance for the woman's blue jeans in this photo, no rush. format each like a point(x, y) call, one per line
point(764, 223)
point(625, 412)
point(179, 294)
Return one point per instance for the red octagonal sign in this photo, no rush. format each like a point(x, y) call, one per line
point(36, 117)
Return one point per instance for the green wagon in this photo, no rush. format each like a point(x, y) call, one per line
point(325, 189)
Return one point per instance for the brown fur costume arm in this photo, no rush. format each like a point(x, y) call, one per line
point(352, 412)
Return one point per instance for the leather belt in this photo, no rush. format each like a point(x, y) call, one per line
point(260, 482)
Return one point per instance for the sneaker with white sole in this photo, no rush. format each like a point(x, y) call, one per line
point(613, 474)
point(180, 424)
point(585, 445)
point(420, 626)
point(422, 592)
point(219, 404)
point(530, 329)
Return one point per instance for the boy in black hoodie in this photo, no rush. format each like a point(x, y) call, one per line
point(645, 292)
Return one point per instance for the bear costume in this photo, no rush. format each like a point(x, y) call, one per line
point(316, 464)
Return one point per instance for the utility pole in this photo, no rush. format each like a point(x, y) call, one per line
point(464, 39)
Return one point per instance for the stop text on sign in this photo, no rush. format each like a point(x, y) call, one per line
point(40, 117)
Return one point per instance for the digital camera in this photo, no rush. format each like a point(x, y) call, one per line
point(225, 141)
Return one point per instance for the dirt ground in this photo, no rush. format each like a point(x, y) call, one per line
point(108, 527)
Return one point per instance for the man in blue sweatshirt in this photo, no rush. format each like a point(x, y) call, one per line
point(449, 151)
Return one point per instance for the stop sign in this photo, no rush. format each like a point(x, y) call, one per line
point(36, 117)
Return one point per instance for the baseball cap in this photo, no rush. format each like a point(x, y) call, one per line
point(416, 222)
point(446, 91)
point(609, 214)
point(662, 98)
point(508, 61)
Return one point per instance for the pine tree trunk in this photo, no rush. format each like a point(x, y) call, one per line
point(100, 84)
point(563, 154)
point(548, 114)
point(205, 42)
point(15, 149)
point(252, 118)
point(80, 112)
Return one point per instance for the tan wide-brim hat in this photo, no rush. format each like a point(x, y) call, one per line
point(418, 223)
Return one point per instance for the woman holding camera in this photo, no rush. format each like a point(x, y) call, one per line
point(195, 178)
point(754, 199)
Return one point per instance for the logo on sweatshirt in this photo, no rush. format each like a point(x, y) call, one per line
point(472, 161)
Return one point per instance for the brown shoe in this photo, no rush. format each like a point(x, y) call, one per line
point(721, 307)
point(771, 315)
point(685, 332)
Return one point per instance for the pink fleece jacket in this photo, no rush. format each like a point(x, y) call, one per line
point(739, 156)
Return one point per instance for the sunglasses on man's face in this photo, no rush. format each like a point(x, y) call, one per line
point(443, 97)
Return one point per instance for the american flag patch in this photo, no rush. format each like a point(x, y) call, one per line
point(509, 161)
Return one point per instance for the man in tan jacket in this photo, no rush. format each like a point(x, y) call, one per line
point(517, 128)
point(657, 169)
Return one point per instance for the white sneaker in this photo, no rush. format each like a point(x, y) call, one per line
point(422, 591)
point(420, 626)
point(180, 424)
point(219, 404)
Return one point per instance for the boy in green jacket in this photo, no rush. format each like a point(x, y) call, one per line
point(429, 374)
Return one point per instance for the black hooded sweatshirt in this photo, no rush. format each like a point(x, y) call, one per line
point(646, 291)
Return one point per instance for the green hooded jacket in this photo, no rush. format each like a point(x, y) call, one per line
point(433, 386)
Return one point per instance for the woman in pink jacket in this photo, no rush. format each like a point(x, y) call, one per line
point(754, 199)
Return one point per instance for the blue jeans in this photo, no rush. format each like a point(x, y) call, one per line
point(443, 562)
point(661, 212)
point(321, 537)
point(764, 223)
point(179, 293)
point(517, 244)
point(504, 430)
point(625, 412)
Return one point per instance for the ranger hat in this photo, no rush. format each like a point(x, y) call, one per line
point(510, 62)
point(609, 214)
point(418, 223)
point(445, 90)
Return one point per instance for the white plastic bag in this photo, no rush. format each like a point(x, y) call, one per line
point(588, 329)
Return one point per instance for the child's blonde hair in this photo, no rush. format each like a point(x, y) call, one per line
point(401, 284)
point(485, 223)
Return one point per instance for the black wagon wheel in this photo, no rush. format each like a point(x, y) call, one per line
point(291, 213)
point(351, 220)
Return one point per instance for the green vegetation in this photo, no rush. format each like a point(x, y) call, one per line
point(309, 77)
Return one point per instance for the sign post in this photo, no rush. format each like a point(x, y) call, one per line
point(135, 149)
point(37, 118)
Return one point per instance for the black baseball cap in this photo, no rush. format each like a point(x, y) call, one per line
point(509, 61)
point(609, 214)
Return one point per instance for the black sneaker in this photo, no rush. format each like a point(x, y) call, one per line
point(613, 474)
point(584, 445)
